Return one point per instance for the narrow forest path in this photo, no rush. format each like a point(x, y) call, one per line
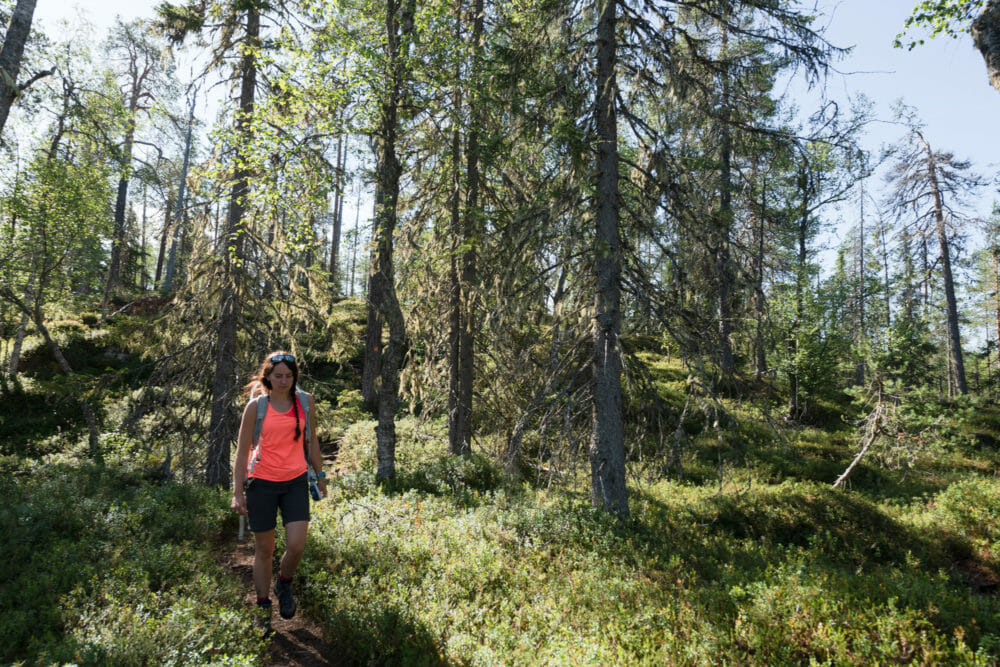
point(296, 642)
point(299, 641)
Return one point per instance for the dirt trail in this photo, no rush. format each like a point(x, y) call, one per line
point(297, 641)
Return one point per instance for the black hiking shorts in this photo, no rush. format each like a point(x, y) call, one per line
point(264, 498)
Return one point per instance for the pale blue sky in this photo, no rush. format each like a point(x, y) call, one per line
point(945, 80)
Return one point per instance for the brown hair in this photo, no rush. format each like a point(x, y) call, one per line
point(261, 382)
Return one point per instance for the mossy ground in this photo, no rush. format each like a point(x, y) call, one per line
point(750, 558)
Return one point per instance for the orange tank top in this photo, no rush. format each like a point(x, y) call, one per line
point(282, 457)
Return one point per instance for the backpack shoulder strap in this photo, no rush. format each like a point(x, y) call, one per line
point(304, 400)
point(262, 402)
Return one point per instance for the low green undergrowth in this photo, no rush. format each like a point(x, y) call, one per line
point(104, 568)
point(451, 564)
point(751, 559)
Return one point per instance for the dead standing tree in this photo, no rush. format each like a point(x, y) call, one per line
point(928, 184)
point(144, 76)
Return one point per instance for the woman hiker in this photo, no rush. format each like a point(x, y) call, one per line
point(274, 475)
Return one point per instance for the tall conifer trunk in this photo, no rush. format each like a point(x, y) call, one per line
point(463, 271)
point(723, 228)
point(11, 55)
point(471, 217)
point(372, 361)
point(859, 335)
point(759, 302)
point(398, 24)
point(996, 299)
point(607, 445)
point(455, 435)
point(121, 201)
point(164, 235)
point(951, 303)
point(794, 404)
point(338, 214)
point(887, 294)
point(222, 428)
point(180, 205)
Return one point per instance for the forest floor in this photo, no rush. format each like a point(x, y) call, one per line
point(750, 558)
point(298, 641)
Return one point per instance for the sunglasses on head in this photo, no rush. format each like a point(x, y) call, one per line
point(278, 358)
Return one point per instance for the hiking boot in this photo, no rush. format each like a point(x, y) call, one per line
point(262, 617)
point(286, 603)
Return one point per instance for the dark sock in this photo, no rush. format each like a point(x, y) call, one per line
point(284, 579)
point(264, 602)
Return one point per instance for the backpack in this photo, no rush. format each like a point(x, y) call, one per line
point(262, 402)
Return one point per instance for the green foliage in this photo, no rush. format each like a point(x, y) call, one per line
point(950, 17)
point(33, 416)
point(61, 209)
point(103, 568)
point(751, 559)
point(907, 354)
point(784, 574)
point(971, 508)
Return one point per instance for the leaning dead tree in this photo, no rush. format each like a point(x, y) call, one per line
point(872, 427)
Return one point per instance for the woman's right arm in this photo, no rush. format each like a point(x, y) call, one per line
point(243, 443)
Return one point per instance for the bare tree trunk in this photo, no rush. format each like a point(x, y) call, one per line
point(456, 438)
point(22, 330)
point(398, 24)
point(121, 200)
point(142, 254)
point(372, 364)
point(607, 445)
point(354, 245)
point(859, 369)
point(11, 54)
point(338, 215)
point(168, 281)
point(760, 350)
point(873, 427)
point(926, 268)
point(168, 214)
point(222, 428)
point(885, 269)
point(794, 402)
point(996, 298)
point(463, 264)
point(470, 271)
point(140, 66)
point(951, 304)
point(723, 261)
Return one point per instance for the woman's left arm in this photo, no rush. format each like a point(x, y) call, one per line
point(315, 456)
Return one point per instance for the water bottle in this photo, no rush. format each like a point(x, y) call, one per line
point(314, 486)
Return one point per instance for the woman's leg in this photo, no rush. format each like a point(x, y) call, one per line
point(295, 545)
point(263, 554)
